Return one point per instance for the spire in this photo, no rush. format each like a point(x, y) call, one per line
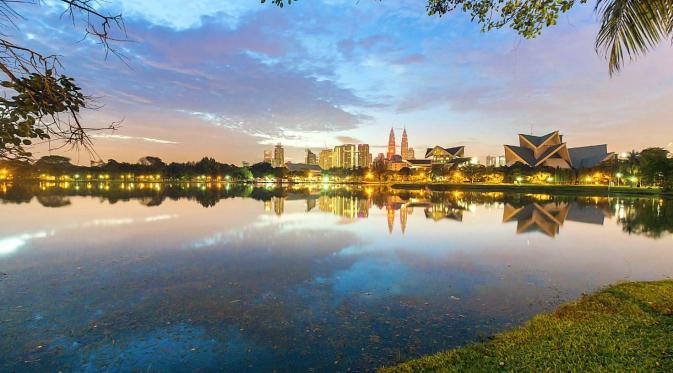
point(391, 144)
point(404, 146)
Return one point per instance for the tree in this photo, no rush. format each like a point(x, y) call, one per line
point(379, 168)
point(404, 172)
point(655, 166)
point(472, 171)
point(45, 105)
point(629, 28)
point(262, 169)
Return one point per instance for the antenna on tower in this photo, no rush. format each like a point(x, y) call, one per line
point(531, 130)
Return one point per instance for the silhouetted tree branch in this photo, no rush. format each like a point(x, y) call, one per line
point(43, 104)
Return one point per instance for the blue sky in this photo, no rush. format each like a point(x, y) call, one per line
point(230, 78)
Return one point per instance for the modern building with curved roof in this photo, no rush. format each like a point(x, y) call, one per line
point(550, 151)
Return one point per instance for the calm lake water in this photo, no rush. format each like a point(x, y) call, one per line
point(234, 278)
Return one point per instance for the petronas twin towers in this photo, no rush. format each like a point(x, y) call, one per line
point(404, 146)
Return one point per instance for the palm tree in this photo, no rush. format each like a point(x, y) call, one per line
point(633, 160)
point(630, 28)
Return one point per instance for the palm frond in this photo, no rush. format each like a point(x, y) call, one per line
point(630, 28)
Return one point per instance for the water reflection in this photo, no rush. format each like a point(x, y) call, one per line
point(236, 278)
point(548, 217)
point(532, 213)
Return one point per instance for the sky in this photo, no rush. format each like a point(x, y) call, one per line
point(229, 79)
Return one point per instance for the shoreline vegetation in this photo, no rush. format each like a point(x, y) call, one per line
point(558, 189)
point(594, 190)
point(623, 327)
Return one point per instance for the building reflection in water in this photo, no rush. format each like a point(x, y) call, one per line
point(351, 207)
point(548, 217)
point(541, 213)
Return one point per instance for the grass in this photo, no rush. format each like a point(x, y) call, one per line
point(625, 327)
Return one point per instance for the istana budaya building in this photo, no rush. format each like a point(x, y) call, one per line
point(550, 151)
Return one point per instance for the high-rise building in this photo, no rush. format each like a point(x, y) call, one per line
point(404, 146)
point(344, 156)
point(311, 158)
point(364, 156)
point(391, 144)
point(338, 156)
point(495, 160)
point(278, 156)
point(411, 154)
point(268, 156)
point(325, 161)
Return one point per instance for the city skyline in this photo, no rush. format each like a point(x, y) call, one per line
point(217, 80)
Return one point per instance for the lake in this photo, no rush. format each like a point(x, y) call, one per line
point(228, 277)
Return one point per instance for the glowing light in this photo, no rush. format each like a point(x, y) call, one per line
point(619, 175)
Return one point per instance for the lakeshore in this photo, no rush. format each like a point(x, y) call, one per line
point(596, 190)
point(624, 327)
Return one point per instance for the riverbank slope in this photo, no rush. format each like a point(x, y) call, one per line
point(625, 327)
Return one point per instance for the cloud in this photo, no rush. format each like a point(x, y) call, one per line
point(348, 140)
point(134, 138)
point(410, 59)
point(181, 15)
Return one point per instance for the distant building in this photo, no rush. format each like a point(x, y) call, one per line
point(404, 146)
point(344, 156)
point(268, 157)
point(440, 155)
point(495, 161)
point(418, 164)
point(391, 145)
point(245, 164)
point(311, 158)
point(550, 151)
point(278, 156)
point(325, 159)
point(364, 156)
point(396, 163)
point(411, 154)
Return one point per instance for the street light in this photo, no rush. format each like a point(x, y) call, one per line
point(619, 176)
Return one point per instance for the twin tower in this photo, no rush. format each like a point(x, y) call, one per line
point(405, 151)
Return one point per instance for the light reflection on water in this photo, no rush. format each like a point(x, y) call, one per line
point(237, 278)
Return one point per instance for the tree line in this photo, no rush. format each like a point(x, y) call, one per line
point(649, 167)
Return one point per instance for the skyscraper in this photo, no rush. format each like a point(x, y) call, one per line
point(268, 156)
point(278, 156)
point(344, 156)
point(311, 157)
point(326, 159)
point(364, 156)
point(404, 146)
point(391, 144)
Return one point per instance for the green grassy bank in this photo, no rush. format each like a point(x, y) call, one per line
point(625, 327)
point(594, 190)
